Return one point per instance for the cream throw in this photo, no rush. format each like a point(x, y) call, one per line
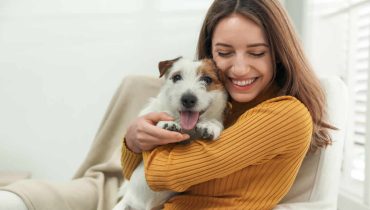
point(95, 184)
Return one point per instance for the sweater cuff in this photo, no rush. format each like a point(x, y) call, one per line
point(129, 160)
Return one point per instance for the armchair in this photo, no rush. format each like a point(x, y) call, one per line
point(95, 184)
point(317, 183)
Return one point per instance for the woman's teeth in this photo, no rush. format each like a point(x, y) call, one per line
point(244, 82)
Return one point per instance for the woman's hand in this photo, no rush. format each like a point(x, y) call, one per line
point(143, 134)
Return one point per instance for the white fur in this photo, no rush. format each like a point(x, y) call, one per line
point(136, 192)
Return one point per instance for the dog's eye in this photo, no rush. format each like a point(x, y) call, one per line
point(176, 78)
point(208, 80)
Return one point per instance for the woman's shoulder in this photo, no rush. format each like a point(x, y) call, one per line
point(289, 116)
point(285, 107)
point(284, 119)
point(284, 102)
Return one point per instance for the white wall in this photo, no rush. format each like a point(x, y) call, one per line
point(60, 62)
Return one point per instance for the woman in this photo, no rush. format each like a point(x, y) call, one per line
point(278, 114)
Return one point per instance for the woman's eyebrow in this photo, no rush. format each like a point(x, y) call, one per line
point(258, 45)
point(249, 45)
point(223, 45)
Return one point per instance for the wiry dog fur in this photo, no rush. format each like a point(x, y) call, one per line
point(193, 93)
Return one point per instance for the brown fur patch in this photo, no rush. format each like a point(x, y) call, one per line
point(209, 68)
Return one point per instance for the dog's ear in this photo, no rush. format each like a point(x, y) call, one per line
point(163, 66)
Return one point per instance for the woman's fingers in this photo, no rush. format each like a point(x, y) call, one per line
point(143, 134)
point(155, 117)
point(163, 136)
point(146, 140)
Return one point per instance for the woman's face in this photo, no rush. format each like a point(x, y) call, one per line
point(241, 51)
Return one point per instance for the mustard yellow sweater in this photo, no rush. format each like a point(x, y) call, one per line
point(251, 166)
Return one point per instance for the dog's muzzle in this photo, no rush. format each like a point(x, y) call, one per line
point(188, 117)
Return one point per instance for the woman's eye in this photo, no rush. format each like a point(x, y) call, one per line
point(176, 78)
point(257, 54)
point(208, 80)
point(224, 54)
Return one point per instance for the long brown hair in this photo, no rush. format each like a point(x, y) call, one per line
point(292, 71)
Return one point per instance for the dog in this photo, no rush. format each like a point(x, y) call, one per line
point(193, 93)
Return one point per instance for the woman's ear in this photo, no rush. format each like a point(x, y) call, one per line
point(163, 66)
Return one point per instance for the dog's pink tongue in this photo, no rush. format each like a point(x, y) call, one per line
point(188, 120)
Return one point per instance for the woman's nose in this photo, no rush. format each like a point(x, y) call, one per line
point(240, 66)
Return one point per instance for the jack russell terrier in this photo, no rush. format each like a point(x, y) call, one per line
point(193, 93)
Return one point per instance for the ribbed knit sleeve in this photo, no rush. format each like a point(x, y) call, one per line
point(129, 160)
point(277, 127)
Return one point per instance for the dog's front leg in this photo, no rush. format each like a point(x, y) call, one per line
point(210, 129)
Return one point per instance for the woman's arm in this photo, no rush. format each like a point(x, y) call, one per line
point(280, 126)
point(143, 135)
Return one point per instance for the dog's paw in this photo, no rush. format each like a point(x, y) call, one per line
point(209, 130)
point(169, 125)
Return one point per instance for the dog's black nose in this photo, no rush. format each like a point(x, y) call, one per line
point(188, 100)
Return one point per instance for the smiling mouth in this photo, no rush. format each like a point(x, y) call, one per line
point(244, 83)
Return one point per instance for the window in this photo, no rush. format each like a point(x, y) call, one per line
point(340, 44)
point(359, 63)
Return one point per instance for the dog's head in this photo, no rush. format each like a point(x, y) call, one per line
point(193, 89)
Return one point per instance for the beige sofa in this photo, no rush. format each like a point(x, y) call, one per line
point(95, 184)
